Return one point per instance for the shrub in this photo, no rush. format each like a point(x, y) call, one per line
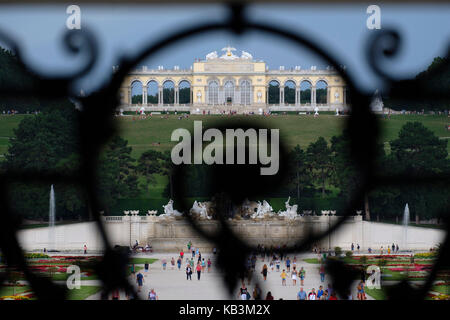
point(348, 254)
point(36, 256)
point(382, 262)
point(363, 260)
point(337, 251)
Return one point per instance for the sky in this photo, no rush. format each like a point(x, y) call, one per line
point(125, 30)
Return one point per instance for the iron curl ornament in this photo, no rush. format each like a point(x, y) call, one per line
point(96, 126)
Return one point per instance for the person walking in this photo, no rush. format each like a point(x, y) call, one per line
point(302, 275)
point(146, 267)
point(361, 291)
point(278, 264)
point(164, 263)
point(140, 281)
point(152, 295)
point(322, 272)
point(203, 265)
point(179, 261)
point(320, 293)
point(294, 276)
point(199, 270)
point(172, 263)
point(301, 295)
point(243, 292)
point(85, 249)
point(269, 296)
point(271, 264)
point(283, 276)
point(288, 264)
point(257, 292)
point(188, 272)
point(209, 264)
point(264, 272)
point(312, 295)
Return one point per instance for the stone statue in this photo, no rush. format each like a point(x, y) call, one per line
point(200, 209)
point(376, 105)
point(262, 209)
point(212, 55)
point(291, 211)
point(246, 55)
point(169, 211)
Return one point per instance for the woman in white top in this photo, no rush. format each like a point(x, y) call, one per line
point(294, 276)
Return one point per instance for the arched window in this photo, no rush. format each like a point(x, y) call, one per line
point(274, 92)
point(152, 92)
point(229, 91)
point(136, 92)
point(213, 92)
point(321, 92)
point(168, 92)
point(305, 92)
point(184, 92)
point(246, 92)
point(289, 92)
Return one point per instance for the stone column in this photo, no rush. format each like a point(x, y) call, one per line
point(267, 95)
point(344, 97)
point(177, 96)
point(297, 95)
point(313, 96)
point(144, 95)
point(329, 102)
point(281, 95)
point(160, 95)
point(130, 98)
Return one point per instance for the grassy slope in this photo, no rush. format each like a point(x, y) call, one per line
point(143, 133)
point(294, 129)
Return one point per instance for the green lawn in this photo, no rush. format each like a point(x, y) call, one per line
point(83, 292)
point(144, 134)
point(441, 289)
point(377, 294)
point(294, 129)
point(9, 291)
point(142, 260)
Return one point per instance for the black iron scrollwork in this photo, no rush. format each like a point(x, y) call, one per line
point(96, 126)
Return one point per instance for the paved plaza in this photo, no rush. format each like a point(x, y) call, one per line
point(171, 284)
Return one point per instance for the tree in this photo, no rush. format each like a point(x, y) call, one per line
point(417, 153)
point(48, 143)
point(148, 165)
point(319, 161)
point(433, 81)
point(299, 174)
point(166, 167)
point(117, 177)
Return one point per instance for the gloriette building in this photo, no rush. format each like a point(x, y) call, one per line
point(230, 82)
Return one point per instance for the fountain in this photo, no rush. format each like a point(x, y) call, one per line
point(51, 221)
point(405, 228)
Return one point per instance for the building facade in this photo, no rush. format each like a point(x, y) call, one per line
point(228, 82)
